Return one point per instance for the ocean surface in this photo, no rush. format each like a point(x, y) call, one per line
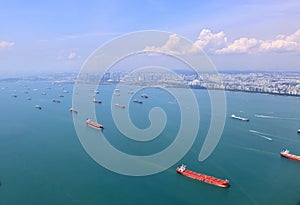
point(43, 162)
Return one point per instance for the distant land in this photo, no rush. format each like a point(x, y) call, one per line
point(277, 83)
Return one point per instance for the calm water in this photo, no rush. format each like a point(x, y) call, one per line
point(43, 162)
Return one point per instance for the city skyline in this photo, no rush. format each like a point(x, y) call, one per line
point(57, 36)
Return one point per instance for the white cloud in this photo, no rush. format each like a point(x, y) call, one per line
point(72, 55)
point(171, 46)
point(211, 41)
point(282, 43)
point(216, 43)
point(242, 45)
point(5, 44)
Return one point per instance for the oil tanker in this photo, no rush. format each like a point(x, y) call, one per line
point(286, 153)
point(93, 124)
point(202, 177)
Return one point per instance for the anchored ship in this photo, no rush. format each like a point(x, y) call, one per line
point(93, 124)
point(286, 153)
point(202, 177)
point(73, 111)
point(240, 118)
point(97, 101)
point(137, 101)
point(56, 101)
point(144, 96)
point(120, 106)
point(38, 107)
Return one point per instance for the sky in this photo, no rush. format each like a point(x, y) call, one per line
point(38, 37)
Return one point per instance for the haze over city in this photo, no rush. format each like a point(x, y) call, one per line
point(55, 36)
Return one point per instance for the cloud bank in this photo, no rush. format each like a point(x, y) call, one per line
point(217, 43)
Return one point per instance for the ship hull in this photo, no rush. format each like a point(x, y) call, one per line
point(291, 156)
point(204, 178)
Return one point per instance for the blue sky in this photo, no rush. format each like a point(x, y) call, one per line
point(57, 36)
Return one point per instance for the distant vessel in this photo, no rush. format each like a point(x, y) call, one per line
point(137, 101)
point(61, 96)
point(240, 118)
point(43, 93)
point(65, 91)
point(117, 92)
point(93, 124)
point(14, 95)
point(120, 106)
point(97, 101)
point(73, 111)
point(29, 98)
point(56, 101)
point(144, 96)
point(202, 177)
point(298, 130)
point(38, 107)
point(286, 153)
point(96, 91)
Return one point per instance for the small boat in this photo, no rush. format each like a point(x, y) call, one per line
point(298, 130)
point(137, 101)
point(97, 101)
point(120, 106)
point(202, 177)
point(73, 111)
point(240, 118)
point(117, 92)
point(93, 124)
point(96, 91)
point(56, 101)
point(38, 107)
point(286, 153)
point(14, 95)
point(144, 96)
point(65, 91)
point(61, 96)
point(29, 98)
point(43, 93)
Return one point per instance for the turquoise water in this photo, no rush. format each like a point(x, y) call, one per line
point(43, 162)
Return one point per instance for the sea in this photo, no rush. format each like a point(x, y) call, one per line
point(43, 162)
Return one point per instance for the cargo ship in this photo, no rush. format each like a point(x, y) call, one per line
point(73, 111)
point(120, 106)
point(202, 177)
point(38, 107)
point(137, 101)
point(144, 96)
point(93, 124)
point(286, 153)
point(240, 118)
point(97, 101)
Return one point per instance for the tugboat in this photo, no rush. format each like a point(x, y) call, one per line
point(240, 118)
point(202, 177)
point(93, 124)
point(286, 153)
